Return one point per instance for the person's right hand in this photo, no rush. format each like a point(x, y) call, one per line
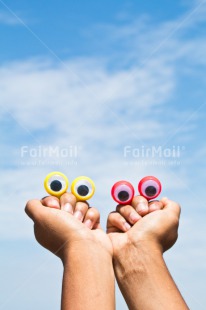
point(158, 228)
point(62, 224)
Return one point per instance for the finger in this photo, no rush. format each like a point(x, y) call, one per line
point(140, 204)
point(92, 218)
point(81, 210)
point(51, 202)
point(116, 222)
point(171, 206)
point(35, 210)
point(68, 202)
point(128, 213)
point(155, 205)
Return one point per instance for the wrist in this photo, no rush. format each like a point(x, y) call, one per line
point(135, 258)
point(85, 249)
point(88, 271)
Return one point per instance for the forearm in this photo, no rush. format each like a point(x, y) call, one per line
point(88, 280)
point(145, 281)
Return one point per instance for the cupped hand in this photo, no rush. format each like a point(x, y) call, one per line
point(61, 223)
point(154, 225)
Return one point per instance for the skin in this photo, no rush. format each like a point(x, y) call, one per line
point(138, 254)
point(137, 235)
point(71, 230)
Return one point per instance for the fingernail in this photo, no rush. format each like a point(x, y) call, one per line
point(134, 217)
point(78, 214)
point(68, 208)
point(142, 206)
point(127, 226)
point(54, 204)
point(154, 206)
point(88, 223)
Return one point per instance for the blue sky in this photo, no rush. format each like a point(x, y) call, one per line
point(66, 28)
point(100, 77)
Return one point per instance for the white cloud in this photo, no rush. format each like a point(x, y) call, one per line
point(83, 103)
point(79, 87)
point(101, 110)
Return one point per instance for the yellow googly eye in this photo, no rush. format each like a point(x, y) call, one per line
point(56, 183)
point(83, 188)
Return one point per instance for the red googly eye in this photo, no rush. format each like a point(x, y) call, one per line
point(122, 192)
point(149, 187)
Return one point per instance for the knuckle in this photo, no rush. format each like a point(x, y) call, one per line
point(66, 196)
point(92, 214)
point(48, 201)
point(82, 205)
point(94, 211)
point(112, 215)
point(69, 197)
point(140, 198)
point(122, 209)
point(157, 204)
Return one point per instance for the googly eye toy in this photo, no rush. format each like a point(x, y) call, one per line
point(123, 192)
point(149, 187)
point(83, 188)
point(56, 184)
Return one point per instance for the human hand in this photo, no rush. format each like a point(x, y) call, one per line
point(138, 244)
point(61, 223)
point(142, 226)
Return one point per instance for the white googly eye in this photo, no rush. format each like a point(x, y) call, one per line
point(56, 183)
point(149, 187)
point(83, 188)
point(122, 192)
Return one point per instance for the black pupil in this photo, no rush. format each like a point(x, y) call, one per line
point(150, 191)
point(83, 190)
point(56, 186)
point(123, 196)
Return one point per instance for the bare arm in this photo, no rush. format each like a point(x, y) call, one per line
point(88, 281)
point(140, 270)
point(145, 281)
point(85, 250)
